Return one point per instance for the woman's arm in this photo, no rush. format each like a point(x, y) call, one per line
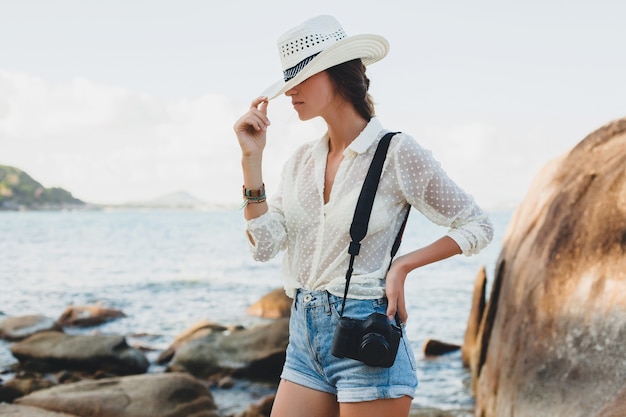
point(427, 187)
point(251, 131)
point(265, 230)
point(396, 276)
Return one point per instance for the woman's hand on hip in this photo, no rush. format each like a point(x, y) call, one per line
point(251, 128)
point(394, 290)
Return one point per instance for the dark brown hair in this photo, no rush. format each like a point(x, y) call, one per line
point(352, 84)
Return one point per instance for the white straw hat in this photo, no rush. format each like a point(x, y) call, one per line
point(318, 44)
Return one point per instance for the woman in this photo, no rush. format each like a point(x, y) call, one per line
point(310, 214)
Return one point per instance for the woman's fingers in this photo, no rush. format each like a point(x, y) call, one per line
point(257, 101)
point(256, 122)
point(256, 118)
point(259, 107)
point(402, 313)
point(395, 296)
point(260, 103)
point(397, 305)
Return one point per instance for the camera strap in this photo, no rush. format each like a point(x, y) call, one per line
point(363, 210)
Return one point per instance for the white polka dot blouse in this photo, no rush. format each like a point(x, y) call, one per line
point(316, 235)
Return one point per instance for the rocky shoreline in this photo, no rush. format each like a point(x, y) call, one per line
point(209, 370)
point(547, 342)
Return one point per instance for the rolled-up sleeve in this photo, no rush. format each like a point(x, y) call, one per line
point(472, 232)
point(266, 235)
point(428, 188)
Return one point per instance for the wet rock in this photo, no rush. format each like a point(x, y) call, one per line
point(8, 394)
point(434, 347)
point(150, 395)
point(197, 331)
point(24, 383)
point(262, 408)
point(66, 377)
point(226, 382)
point(475, 317)
point(21, 327)
point(551, 338)
point(14, 410)
point(53, 351)
point(257, 352)
point(85, 316)
point(276, 304)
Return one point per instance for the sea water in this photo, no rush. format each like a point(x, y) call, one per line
point(169, 269)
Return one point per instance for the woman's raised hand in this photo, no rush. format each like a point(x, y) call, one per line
point(251, 128)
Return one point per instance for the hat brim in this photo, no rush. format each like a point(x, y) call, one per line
point(370, 48)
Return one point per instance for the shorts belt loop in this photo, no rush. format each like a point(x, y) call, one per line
point(295, 299)
point(327, 303)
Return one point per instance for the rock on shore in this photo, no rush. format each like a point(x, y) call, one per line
point(551, 340)
point(151, 395)
point(256, 352)
point(13, 410)
point(19, 328)
point(51, 351)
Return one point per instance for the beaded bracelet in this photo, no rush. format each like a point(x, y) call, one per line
point(253, 196)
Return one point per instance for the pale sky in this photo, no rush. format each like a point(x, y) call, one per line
point(122, 100)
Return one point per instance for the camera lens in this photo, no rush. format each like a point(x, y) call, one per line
point(374, 349)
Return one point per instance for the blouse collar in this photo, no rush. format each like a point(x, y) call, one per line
point(360, 144)
point(365, 139)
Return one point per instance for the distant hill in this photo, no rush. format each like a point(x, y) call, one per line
point(19, 191)
point(178, 199)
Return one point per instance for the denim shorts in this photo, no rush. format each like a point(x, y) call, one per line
point(314, 317)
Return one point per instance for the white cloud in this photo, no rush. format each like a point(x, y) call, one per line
point(107, 144)
point(494, 109)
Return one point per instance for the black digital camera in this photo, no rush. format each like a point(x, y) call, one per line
point(373, 340)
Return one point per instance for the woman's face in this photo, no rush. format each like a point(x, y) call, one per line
point(313, 97)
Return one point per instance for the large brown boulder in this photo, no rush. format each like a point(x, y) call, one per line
point(273, 305)
point(150, 395)
point(89, 315)
point(256, 352)
point(197, 331)
point(476, 313)
point(51, 351)
point(21, 327)
point(551, 341)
